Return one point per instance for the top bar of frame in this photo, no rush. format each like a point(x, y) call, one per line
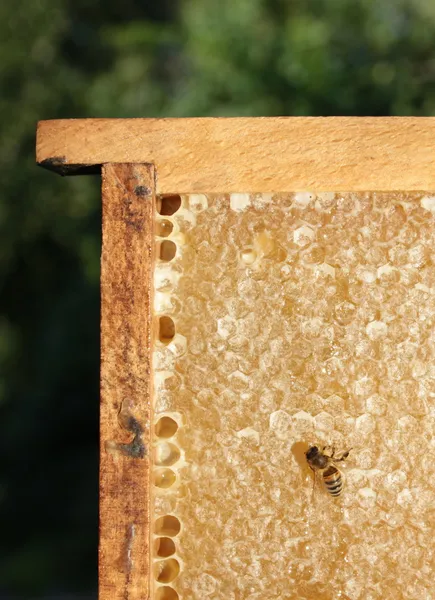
point(277, 154)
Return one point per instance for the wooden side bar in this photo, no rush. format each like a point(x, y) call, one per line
point(223, 155)
point(128, 194)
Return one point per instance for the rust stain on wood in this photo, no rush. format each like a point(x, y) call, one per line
point(126, 293)
point(136, 447)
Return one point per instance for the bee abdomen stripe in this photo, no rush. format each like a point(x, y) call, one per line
point(334, 486)
point(332, 482)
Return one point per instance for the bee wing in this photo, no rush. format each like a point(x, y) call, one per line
point(343, 467)
point(317, 484)
point(343, 456)
point(313, 475)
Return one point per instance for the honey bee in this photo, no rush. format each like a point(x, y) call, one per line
point(324, 463)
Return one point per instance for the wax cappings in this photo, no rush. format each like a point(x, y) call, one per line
point(300, 319)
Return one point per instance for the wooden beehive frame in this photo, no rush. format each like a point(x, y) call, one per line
point(142, 158)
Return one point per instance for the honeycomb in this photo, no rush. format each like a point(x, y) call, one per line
point(287, 321)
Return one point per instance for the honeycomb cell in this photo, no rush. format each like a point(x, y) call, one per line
point(325, 269)
point(166, 427)
point(164, 478)
point(334, 405)
point(168, 525)
point(302, 424)
point(376, 330)
point(367, 497)
point(197, 202)
point(165, 571)
point(205, 586)
point(248, 256)
point(315, 254)
point(168, 205)
point(418, 255)
point(280, 423)
point(166, 329)
point(166, 454)
point(164, 227)
point(303, 236)
point(326, 201)
point(367, 274)
point(324, 421)
point(303, 199)
point(365, 425)
point(388, 274)
point(376, 405)
point(239, 202)
point(164, 547)
point(166, 593)
point(365, 386)
point(428, 202)
point(167, 250)
point(345, 312)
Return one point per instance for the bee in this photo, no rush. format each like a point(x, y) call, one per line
point(324, 463)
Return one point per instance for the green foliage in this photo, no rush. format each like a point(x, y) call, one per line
point(78, 58)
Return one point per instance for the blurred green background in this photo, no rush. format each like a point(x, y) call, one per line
point(132, 58)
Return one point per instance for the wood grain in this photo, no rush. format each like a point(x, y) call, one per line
point(126, 344)
point(218, 155)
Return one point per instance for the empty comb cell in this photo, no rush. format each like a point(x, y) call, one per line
point(167, 570)
point(164, 547)
point(167, 525)
point(166, 329)
point(166, 427)
point(168, 205)
point(166, 593)
point(166, 250)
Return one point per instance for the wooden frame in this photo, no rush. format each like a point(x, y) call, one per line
point(144, 157)
point(126, 325)
point(251, 155)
